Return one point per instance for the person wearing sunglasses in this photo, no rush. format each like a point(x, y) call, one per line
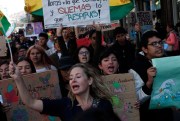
point(152, 47)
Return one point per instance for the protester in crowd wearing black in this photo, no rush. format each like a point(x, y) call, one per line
point(97, 115)
point(96, 47)
point(124, 48)
point(152, 47)
point(24, 41)
point(67, 44)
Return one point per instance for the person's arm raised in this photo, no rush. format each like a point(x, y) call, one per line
point(58, 31)
point(27, 99)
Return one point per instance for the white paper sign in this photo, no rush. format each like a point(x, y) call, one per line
point(75, 12)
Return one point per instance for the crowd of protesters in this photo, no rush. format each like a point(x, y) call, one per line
point(80, 70)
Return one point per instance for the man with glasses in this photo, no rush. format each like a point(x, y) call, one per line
point(152, 47)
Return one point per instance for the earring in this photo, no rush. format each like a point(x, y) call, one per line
point(101, 71)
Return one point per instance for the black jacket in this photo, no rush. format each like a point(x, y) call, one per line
point(126, 54)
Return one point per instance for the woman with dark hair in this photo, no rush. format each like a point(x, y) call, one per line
point(40, 59)
point(25, 66)
point(109, 64)
point(83, 55)
point(96, 47)
point(87, 90)
point(4, 70)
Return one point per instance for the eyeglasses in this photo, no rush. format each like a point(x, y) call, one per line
point(157, 43)
point(83, 53)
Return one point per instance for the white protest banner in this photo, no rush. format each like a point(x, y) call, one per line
point(3, 48)
point(75, 12)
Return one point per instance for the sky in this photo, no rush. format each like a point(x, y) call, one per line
point(11, 6)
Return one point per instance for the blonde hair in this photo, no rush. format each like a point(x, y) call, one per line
point(45, 60)
point(98, 89)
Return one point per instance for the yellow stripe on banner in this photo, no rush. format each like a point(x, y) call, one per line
point(1, 15)
point(33, 5)
point(119, 2)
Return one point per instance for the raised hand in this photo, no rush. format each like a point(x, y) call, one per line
point(14, 71)
point(151, 74)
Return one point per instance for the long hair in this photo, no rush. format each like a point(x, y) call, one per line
point(45, 60)
point(98, 89)
point(33, 69)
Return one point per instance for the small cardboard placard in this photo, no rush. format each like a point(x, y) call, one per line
point(39, 85)
point(124, 95)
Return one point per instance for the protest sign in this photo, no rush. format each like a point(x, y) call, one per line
point(33, 29)
point(107, 32)
point(124, 95)
point(39, 85)
point(75, 12)
point(3, 48)
point(166, 85)
point(144, 18)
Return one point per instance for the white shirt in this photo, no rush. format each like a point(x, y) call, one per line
point(50, 44)
point(138, 85)
point(50, 51)
point(59, 55)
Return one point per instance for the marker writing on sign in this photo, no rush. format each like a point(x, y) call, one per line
point(82, 16)
point(99, 11)
point(74, 9)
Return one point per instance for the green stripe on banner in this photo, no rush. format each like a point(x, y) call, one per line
point(5, 23)
point(38, 12)
point(119, 12)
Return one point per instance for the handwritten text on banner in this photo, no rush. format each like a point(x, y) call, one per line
point(75, 12)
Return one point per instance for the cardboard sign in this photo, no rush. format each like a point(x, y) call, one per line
point(75, 12)
point(33, 29)
point(39, 85)
point(3, 48)
point(145, 19)
point(124, 95)
point(104, 27)
point(166, 85)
